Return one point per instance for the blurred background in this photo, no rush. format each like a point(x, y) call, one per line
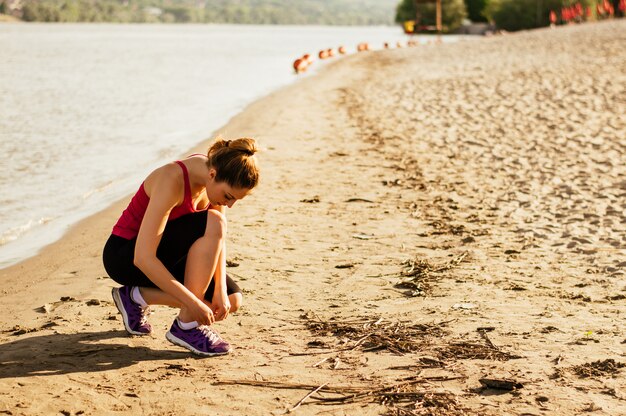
point(97, 93)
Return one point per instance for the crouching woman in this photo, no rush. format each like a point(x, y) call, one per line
point(169, 245)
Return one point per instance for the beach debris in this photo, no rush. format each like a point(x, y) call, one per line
point(313, 200)
point(424, 362)
point(474, 351)
point(231, 263)
point(598, 368)
point(344, 266)
point(92, 302)
point(359, 200)
point(369, 334)
point(464, 305)
point(549, 328)
point(418, 272)
point(46, 308)
point(19, 330)
point(414, 288)
point(394, 182)
point(516, 287)
point(403, 397)
point(442, 227)
point(306, 397)
point(49, 307)
point(501, 384)
point(363, 236)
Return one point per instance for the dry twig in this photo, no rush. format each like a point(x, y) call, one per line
point(379, 334)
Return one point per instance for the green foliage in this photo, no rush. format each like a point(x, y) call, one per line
point(475, 10)
point(526, 14)
point(323, 12)
point(453, 13)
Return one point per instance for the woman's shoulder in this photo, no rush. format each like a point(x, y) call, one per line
point(167, 178)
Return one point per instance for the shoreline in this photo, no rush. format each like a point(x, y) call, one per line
point(482, 212)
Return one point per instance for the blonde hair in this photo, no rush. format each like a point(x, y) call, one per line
point(234, 162)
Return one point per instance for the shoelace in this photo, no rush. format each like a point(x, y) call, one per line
point(145, 312)
point(209, 333)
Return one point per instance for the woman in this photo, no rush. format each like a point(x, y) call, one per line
point(168, 247)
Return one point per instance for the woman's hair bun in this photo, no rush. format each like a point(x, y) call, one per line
point(231, 159)
point(245, 145)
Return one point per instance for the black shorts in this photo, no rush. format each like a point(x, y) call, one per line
point(119, 253)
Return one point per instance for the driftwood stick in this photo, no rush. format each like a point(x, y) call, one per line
point(320, 361)
point(306, 397)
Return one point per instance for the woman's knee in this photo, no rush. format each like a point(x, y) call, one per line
point(236, 300)
point(215, 224)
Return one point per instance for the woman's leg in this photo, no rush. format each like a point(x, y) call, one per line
point(198, 263)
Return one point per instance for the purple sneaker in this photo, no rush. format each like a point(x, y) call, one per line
point(133, 315)
point(202, 340)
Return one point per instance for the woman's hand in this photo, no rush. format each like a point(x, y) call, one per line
point(198, 311)
point(221, 305)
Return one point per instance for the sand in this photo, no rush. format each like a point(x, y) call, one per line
point(488, 176)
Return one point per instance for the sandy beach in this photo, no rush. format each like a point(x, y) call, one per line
point(429, 219)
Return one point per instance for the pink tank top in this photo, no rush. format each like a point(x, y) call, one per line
point(128, 225)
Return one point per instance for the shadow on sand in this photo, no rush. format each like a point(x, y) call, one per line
point(54, 354)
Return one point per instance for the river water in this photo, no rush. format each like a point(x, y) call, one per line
point(87, 110)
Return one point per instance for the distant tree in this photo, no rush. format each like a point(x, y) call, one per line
point(453, 12)
point(526, 14)
point(475, 10)
point(179, 13)
point(70, 11)
point(337, 12)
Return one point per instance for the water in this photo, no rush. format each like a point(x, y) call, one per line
point(87, 110)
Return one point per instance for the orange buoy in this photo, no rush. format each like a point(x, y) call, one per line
point(299, 65)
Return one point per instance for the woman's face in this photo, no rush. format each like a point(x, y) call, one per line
point(221, 193)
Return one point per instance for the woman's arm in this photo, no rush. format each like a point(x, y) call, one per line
point(165, 194)
point(220, 301)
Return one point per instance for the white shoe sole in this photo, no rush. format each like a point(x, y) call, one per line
point(177, 341)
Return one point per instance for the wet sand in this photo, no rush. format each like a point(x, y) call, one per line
point(475, 192)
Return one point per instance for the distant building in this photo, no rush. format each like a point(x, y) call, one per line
point(153, 11)
point(14, 6)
